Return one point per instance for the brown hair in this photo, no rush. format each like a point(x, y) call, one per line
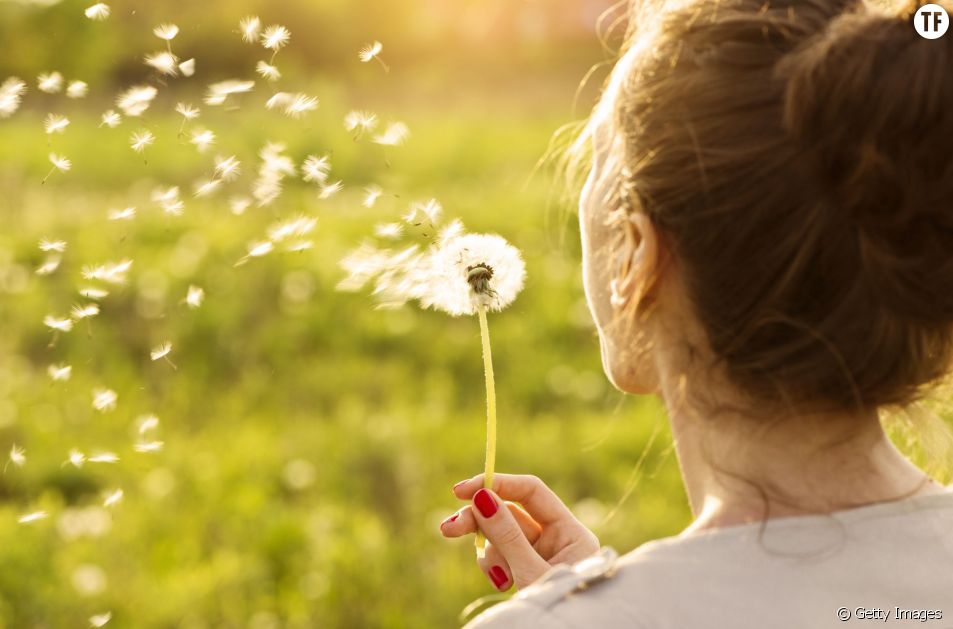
point(798, 156)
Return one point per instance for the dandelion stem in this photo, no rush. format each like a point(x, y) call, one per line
point(490, 417)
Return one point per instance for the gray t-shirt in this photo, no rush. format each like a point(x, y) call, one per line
point(857, 567)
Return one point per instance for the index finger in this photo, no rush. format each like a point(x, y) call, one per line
point(532, 493)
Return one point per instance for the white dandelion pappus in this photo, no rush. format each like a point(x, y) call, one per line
point(300, 104)
point(166, 31)
point(249, 27)
point(163, 62)
point(147, 423)
point(202, 139)
point(267, 71)
point(111, 273)
point(17, 455)
point(55, 123)
point(297, 227)
point(90, 292)
point(389, 231)
point(360, 122)
point(395, 133)
point(206, 187)
point(259, 249)
point(194, 297)
point(100, 620)
point(104, 399)
point(75, 458)
point(123, 214)
point(59, 373)
point(371, 52)
point(136, 100)
point(227, 168)
point(110, 119)
point(275, 166)
point(52, 245)
point(51, 82)
point(49, 265)
point(238, 205)
point(58, 324)
point(112, 498)
point(11, 95)
point(329, 190)
point(187, 67)
point(60, 163)
point(187, 111)
point(161, 351)
point(278, 100)
point(168, 199)
point(371, 195)
point(218, 93)
point(428, 212)
point(275, 37)
point(148, 446)
point(28, 518)
point(98, 12)
point(103, 457)
point(77, 89)
point(316, 168)
point(85, 312)
point(141, 139)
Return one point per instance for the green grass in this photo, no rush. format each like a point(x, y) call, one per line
point(386, 408)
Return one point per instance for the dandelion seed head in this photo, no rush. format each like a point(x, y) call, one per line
point(316, 168)
point(59, 373)
point(98, 12)
point(249, 28)
point(166, 31)
point(85, 312)
point(275, 37)
point(395, 133)
point(111, 119)
point(163, 62)
point(136, 100)
point(369, 51)
point(50, 82)
point(58, 324)
point(17, 455)
point(161, 351)
point(77, 89)
point(187, 111)
point(113, 498)
point(124, 214)
point(35, 516)
point(267, 71)
point(11, 95)
point(141, 139)
point(187, 67)
point(55, 123)
point(104, 399)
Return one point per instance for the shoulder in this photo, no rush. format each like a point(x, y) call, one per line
point(566, 597)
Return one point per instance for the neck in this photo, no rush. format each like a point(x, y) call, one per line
point(741, 468)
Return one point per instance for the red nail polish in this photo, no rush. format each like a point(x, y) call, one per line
point(498, 576)
point(485, 503)
point(450, 519)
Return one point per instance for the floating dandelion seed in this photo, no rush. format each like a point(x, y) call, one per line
point(329, 190)
point(93, 293)
point(58, 324)
point(316, 168)
point(32, 517)
point(52, 245)
point(163, 62)
point(258, 249)
point(104, 399)
point(111, 119)
point(295, 228)
point(77, 89)
point(148, 446)
point(275, 166)
point(249, 28)
point(187, 111)
point(124, 214)
point(51, 82)
point(278, 100)
point(206, 187)
point(300, 104)
point(112, 498)
point(227, 168)
point(85, 312)
point(238, 205)
point(76, 458)
point(55, 123)
point(390, 231)
point(100, 620)
point(371, 195)
point(267, 71)
point(371, 52)
point(111, 273)
point(136, 100)
point(360, 122)
point(162, 352)
point(98, 12)
point(168, 199)
point(147, 423)
point(140, 140)
point(275, 37)
point(219, 92)
point(420, 213)
point(395, 133)
point(202, 139)
point(187, 67)
point(104, 457)
point(17, 455)
point(60, 163)
point(166, 31)
point(59, 373)
point(11, 95)
point(49, 265)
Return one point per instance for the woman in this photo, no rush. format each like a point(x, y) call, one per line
point(768, 245)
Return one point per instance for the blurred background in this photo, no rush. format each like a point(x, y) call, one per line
point(308, 440)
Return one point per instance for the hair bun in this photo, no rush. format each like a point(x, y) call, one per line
point(872, 102)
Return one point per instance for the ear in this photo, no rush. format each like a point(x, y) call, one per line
point(640, 261)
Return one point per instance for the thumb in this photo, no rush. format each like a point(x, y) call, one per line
point(504, 532)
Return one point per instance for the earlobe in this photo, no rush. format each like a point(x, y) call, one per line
point(639, 261)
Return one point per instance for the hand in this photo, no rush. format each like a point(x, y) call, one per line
point(523, 543)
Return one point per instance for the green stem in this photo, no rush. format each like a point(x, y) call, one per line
point(490, 418)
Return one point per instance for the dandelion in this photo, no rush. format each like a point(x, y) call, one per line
point(163, 62)
point(90, 292)
point(187, 67)
point(100, 620)
point(60, 163)
point(110, 119)
point(104, 399)
point(206, 187)
point(52, 245)
point(202, 139)
point(85, 312)
point(51, 82)
point(136, 100)
point(390, 231)
point(316, 168)
point(371, 52)
point(166, 31)
point(111, 272)
point(58, 324)
point(168, 199)
point(98, 12)
point(11, 95)
point(17, 455)
point(219, 92)
point(329, 190)
point(59, 373)
point(49, 265)
point(104, 457)
point(295, 228)
point(249, 28)
point(75, 458)
point(141, 139)
point(299, 104)
point(428, 212)
point(371, 195)
point(275, 37)
point(55, 123)
point(112, 498)
point(162, 352)
point(360, 122)
point(77, 89)
point(147, 423)
point(124, 214)
point(32, 517)
point(267, 71)
point(395, 133)
point(227, 168)
point(275, 166)
point(187, 111)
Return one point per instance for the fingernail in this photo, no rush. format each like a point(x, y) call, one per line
point(498, 577)
point(454, 489)
point(485, 503)
point(450, 519)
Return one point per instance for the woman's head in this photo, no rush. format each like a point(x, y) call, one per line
point(780, 173)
